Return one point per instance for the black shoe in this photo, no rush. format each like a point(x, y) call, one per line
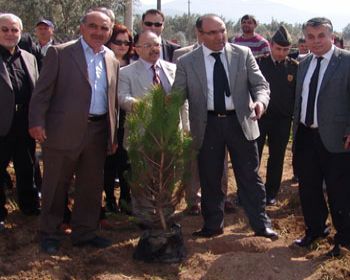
point(308, 239)
point(268, 233)
point(207, 233)
point(271, 201)
point(2, 226)
point(50, 246)
point(229, 208)
point(335, 252)
point(96, 242)
point(31, 211)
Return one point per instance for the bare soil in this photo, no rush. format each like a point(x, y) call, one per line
point(236, 254)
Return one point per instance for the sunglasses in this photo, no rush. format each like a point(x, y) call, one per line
point(156, 24)
point(120, 43)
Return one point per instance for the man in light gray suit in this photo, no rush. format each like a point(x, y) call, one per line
point(137, 79)
point(322, 135)
point(227, 94)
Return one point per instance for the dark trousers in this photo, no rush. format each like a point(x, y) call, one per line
point(276, 132)
point(315, 164)
point(19, 147)
point(116, 165)
point(86, 163)
point(221, 133)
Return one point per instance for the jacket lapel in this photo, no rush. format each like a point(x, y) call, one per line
point(198, 67)
point(79, 57)
point(167, 71)
point(30, 69)
point(4, 74)
point(232, 64)
point(332, 66)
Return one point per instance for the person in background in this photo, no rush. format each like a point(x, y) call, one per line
point(153, 20)
point(258, 44)
point(44, 31)
point(122, 45)
point(280, 72)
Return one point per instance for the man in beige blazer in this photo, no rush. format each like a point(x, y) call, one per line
point(73, 114)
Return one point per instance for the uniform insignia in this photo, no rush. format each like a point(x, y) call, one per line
point(290, 78)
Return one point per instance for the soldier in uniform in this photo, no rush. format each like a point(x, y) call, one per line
point(280, 71)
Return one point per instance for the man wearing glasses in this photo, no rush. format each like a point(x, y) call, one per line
point(153, 20)
point(138, 78)
point(227, 94)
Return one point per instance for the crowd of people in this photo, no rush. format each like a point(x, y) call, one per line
point(71, 99)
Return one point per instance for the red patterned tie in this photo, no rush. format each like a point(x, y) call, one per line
point(156, 79)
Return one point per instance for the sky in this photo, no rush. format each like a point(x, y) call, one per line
point(337, 10)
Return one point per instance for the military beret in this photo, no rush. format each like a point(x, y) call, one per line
point(282, 37)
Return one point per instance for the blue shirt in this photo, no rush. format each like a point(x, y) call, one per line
point(97, 78)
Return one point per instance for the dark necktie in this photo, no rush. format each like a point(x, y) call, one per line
point(156, 79)
point(309, 119)
point(221, 86)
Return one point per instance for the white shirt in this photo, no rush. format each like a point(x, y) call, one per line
point(209, 61)
point(43, 49)
point(305, 91)
point(97, 78)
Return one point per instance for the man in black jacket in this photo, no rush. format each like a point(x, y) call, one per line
point(280, 71)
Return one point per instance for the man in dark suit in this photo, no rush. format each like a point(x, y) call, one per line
point(227, 94)
point(154, 20)
point(322, 135)
point(18, 75)
point(280, 72)
point(73, 114)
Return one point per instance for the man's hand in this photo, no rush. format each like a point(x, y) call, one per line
point(347, 142)
point(38, 133)
point(258, 107)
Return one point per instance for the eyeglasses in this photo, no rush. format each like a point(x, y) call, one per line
point(120, 43)
point(148, 45)
point(156, 24)
point(6, 29)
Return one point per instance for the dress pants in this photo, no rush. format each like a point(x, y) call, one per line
point(315, 164)
point(277, 132)
point(86, 162)
point(20, 147)
point(222, 132)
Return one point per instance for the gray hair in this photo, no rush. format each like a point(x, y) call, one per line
point(318, 21)
point(103, 10)
point(9, 16)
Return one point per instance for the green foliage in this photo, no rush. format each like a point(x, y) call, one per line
point(159, 154)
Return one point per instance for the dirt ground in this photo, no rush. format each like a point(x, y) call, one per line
point(236, 254)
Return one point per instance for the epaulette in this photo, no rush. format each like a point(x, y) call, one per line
point(293, 61)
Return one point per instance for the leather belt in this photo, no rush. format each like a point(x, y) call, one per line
point(222, 115)
point(96, 118)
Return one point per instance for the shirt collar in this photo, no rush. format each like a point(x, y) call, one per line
point(148, 64)
point(88, 49)
point(207, 52)
point(327, 55)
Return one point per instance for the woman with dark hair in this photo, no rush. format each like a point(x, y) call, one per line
point(116, 165)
